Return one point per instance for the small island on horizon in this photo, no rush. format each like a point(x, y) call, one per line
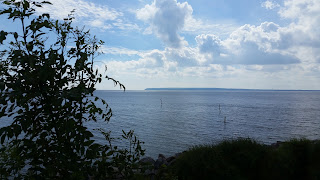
point(219, 89)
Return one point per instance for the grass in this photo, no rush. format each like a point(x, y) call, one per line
point(247, 159)
point(241, 159)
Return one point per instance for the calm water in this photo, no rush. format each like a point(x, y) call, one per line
point(188, 118)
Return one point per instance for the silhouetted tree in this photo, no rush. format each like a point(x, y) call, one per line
point(47, 80)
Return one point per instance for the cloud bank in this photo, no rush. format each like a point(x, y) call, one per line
point(268, 50)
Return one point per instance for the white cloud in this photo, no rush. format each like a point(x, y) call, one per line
point(99, 16)
point(267, 43)
point(267, 55)
point(300, 9)
point(199, 26)
point(61, 8)
point(270, 5)
point(209, 43)
point(257, 45)
point(169, 18)
point(119, 51)
point(305, 27)
point(166, 18)
point(270, 43)
point(247, 45)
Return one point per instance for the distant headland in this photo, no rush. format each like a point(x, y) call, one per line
point(220, 89)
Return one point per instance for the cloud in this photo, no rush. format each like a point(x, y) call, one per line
point(265, 44)
point(61, 8)
point(119, 51)
point(209, 43)
point(271, 51)
point(199, 26)
point(270, 5)
point(99, 16)
point(166, 19)
point(257, 45)
point(300, 9)
point(247, 45)
point(305, 27)
point(270, 43)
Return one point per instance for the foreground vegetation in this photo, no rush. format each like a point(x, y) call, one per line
point(48, 76)
point(231, 159)
point(247, 159)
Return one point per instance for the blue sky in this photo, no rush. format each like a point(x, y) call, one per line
point(255, 44)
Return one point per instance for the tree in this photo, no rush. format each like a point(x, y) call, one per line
point(47, 80)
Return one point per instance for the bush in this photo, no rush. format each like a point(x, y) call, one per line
point(295, 159)
point(47, 81)
point(235, 159)
point(247, 159)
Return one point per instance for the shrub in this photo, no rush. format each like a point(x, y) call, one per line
point(47, 81)
point(247, 159)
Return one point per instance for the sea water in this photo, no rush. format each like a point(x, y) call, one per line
point(173, 121)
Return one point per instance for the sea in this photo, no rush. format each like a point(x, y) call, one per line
point(172, 121)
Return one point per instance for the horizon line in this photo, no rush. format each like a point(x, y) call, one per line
point(195, 89)
point(243, 89)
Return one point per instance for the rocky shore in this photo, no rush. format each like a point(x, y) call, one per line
point(237, 158)
point(153, 167)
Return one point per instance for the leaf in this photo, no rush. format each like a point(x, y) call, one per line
point(46, 15)
point(3, 36)
point(26, 5)
point(88, 143)
point(46, 2)
point(15, 35)
point(20, 111)
point(3, 138)
point(6, 11)
point(2, 86)
point(40, 34)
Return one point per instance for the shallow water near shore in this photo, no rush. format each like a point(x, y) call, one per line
point(188, 118)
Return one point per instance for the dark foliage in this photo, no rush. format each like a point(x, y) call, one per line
point(246, 159)
point(47, 80)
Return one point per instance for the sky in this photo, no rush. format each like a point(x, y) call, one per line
point(251, 44)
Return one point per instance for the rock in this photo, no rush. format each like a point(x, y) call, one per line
point(171, 160)
point(277, 144)
point(147, 160)
point(160, 161)
point(161, 156)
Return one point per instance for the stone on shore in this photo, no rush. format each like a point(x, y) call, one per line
point(147, 160)
point(160, 161)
